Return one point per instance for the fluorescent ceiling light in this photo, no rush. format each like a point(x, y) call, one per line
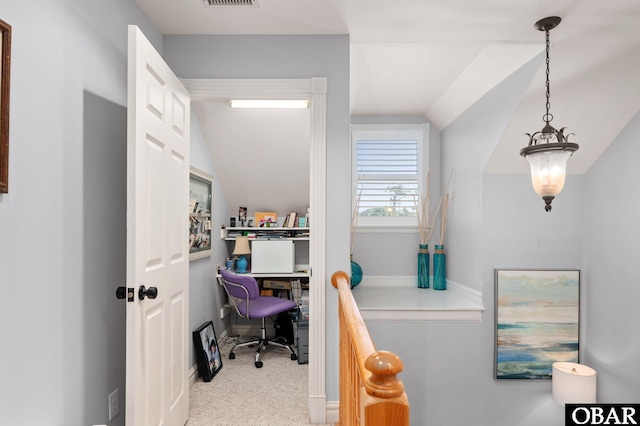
point(268, 103)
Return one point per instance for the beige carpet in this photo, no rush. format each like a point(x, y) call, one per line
point(241, 394)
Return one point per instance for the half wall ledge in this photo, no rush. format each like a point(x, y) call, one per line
point(398, 299)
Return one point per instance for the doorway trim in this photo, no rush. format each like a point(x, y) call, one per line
point(315, 90)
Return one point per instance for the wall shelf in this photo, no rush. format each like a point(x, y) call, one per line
point(296, 234)
point(269, 233)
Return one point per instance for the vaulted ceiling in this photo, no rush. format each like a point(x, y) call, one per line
point(437, 57)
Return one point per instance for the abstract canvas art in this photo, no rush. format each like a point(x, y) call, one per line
point(537, 321)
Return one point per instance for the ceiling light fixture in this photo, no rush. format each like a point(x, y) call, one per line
point(268, 103)
point(548, 150)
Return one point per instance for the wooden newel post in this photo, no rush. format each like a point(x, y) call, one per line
point(371, 394)
point(384, 367)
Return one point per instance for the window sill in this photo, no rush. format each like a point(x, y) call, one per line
point(387, 229)
point(393, 299)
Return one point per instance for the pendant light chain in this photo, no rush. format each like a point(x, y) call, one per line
point(548, 117)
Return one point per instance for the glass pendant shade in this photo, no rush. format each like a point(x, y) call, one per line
point(548, 171)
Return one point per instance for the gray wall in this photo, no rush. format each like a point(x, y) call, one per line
point(611, 278)
point(291, 57)
point(205, 295)
point(467, 145)
point(68, 67)
point(104, 248)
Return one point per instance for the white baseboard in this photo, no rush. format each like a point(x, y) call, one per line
point(333, 413)
point(318, 409)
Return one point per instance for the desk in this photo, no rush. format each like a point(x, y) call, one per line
point(274, 275)
point(281, 276)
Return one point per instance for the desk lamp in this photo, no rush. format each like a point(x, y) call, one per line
point(242, 249)
point(573, 383)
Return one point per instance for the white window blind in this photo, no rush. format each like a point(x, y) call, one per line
point(388, 165)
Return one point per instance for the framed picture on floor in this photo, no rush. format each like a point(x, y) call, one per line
point(537, 321)
point(207, 351)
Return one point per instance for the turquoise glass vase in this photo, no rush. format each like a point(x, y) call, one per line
point(423, 266)
point(356, 274)
point(439, 268)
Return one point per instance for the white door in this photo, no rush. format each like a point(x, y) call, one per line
point(157, 239)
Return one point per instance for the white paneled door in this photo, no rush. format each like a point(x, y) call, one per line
point(157, 240)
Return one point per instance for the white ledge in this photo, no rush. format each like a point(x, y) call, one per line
point(397, 298)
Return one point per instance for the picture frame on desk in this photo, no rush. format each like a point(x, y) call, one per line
point(207, 351)
point(266, 219)
point(242, 215)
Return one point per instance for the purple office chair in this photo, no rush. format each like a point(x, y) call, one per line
point(245, 296)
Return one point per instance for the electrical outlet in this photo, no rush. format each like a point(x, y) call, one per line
point(114, 406)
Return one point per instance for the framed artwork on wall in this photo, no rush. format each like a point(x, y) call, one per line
point(537, 321)
point(5, 68)
point(200, 213)
point(207, 351)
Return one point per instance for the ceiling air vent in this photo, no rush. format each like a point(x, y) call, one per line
point(230, 2)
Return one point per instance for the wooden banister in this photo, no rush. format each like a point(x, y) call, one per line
point(370, 392)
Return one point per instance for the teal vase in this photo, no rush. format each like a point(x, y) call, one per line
point(439, 268)
point(356, 274)
point(423, 266)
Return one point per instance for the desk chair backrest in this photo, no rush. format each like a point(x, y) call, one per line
point(240, 289)
point(246, 287)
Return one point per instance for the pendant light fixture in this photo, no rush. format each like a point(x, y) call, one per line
point(548, 150)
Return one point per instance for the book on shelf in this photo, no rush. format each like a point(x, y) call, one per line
point(293, 220)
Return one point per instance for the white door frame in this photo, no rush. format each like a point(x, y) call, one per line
point(315, 90)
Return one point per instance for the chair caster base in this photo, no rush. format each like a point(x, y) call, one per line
point(258, 364)
point(232, 356)
point(294, 357)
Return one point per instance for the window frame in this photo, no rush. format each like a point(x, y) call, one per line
point(389, 132)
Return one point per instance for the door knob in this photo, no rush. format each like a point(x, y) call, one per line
point(150, 292)
point(123, 292)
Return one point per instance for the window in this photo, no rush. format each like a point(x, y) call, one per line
point(388, 165)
